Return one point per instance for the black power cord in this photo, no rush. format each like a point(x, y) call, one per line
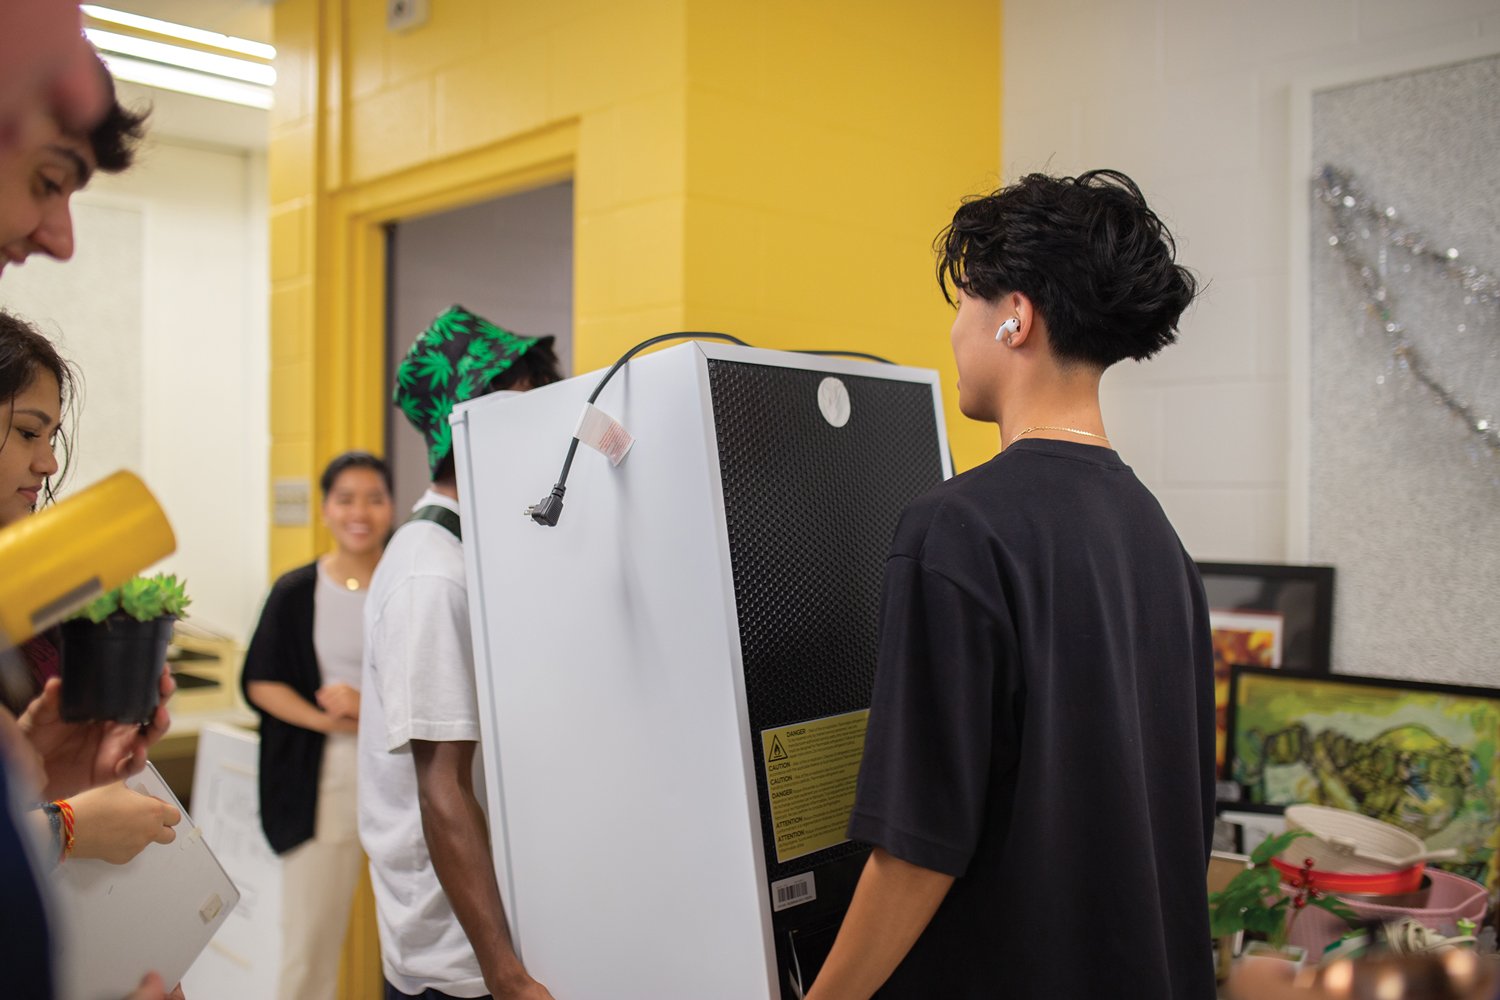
point(549, 508)
point(849, 354)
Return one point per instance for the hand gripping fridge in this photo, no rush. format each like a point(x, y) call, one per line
point(674, 677)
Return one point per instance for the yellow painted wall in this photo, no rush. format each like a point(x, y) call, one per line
point(371, 121)
point(827, 144)
point(773, 169)
point(768, 168)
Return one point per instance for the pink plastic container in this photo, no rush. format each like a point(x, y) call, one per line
point(1453, 898)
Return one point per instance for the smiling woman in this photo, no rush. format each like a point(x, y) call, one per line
point(302, 674)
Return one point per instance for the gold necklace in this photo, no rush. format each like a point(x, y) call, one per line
point(350, 583)
point(1070, 430)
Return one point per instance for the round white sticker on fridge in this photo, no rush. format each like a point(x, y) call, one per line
point(833, 401)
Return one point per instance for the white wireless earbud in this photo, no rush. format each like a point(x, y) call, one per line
point(1011, 325)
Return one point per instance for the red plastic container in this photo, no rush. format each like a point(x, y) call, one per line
point(1386, 883)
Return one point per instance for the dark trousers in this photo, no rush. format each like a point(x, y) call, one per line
point(391, 993)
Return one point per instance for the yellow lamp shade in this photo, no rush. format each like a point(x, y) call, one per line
point(53, 563)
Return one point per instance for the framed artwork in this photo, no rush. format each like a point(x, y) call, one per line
point(1302, 595)
point(1265, 615)
point(1241, 638)
point(1418, 756)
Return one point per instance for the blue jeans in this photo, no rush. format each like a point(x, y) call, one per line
point(391, 993)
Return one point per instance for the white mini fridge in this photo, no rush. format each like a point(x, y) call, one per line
point(674, 679)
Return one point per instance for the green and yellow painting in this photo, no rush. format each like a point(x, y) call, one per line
point(1420, 758)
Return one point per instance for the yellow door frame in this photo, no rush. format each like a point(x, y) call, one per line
point(351, 345)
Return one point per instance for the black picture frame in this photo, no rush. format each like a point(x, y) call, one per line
point(1303, 595)
point(1354, 681)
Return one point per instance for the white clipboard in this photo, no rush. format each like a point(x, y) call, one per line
point(153, 914)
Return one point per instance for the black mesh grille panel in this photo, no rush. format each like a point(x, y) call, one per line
point(811, 510)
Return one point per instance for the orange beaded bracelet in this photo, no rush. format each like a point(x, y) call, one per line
point(66, 809)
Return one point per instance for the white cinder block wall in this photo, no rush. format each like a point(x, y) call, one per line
point(164, 310)
point(1192, 99)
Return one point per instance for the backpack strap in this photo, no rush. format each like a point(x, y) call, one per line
point(440, 516)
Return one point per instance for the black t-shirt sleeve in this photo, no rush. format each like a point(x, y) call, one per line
point(928, 752)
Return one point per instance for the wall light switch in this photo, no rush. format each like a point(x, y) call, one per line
point(291, 503)
point(405, 15)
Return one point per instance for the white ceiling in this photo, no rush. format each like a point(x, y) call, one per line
point(199, 119)
point(242, 18)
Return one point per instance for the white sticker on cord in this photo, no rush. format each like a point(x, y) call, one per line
point(603, 433)
point(793, 891)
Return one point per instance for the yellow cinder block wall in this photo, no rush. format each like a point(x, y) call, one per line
point(768, 168)
point(773, 169)
point(827, 144)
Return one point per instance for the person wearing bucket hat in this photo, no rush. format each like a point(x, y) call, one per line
point(443, 931)
point(459, 357)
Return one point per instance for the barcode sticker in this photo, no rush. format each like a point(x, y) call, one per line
point(793, 891)
point(603, 433)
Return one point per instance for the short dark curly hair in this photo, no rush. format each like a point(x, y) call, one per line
point(1097, 262)
point(118, 135)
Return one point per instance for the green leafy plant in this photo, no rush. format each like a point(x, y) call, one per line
point(1254, 901)
point(142, 598)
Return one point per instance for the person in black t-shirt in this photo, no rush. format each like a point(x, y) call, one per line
point(1038, 771)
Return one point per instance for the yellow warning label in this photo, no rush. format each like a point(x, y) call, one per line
point(811, 769)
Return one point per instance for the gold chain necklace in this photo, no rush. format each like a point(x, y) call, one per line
point(1070, 430)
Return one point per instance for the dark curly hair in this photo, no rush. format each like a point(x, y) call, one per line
point(538, 366)
point(1088, 251)
point(24, 354)
point(116, 138)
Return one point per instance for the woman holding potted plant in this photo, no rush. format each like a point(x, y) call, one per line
point(302, 674)
point(37, 387)
point(83, 760)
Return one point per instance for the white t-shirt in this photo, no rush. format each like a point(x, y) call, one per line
point(418, 685)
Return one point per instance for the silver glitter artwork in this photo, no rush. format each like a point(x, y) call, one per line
point(1368, 236)
point(1404, 370)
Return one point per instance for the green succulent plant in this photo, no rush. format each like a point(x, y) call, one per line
point(142, 598)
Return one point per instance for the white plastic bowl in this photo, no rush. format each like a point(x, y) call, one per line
point(1350, 843)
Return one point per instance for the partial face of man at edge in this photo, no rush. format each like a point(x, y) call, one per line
point(36, 183)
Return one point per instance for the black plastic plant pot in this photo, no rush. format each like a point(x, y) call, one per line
point(111, 670)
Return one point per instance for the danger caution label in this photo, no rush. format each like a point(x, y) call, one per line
point(811, 770)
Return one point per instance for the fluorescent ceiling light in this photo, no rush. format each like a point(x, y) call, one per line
point(188, 81)
point(177, 55)
point(245, 45)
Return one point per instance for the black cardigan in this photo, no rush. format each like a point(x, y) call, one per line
point(290, 756)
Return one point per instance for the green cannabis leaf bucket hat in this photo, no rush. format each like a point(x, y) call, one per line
point(456, 358)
